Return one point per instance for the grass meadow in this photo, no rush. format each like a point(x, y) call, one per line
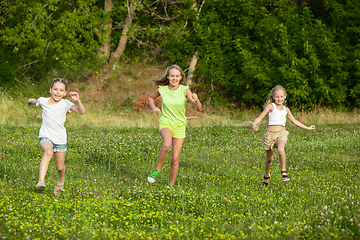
point(218, 192)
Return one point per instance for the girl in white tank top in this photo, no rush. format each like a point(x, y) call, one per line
point(276, 135)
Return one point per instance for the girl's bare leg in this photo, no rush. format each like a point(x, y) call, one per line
point(47, 147)
point(282, 156)
point(166, 135)
point(60, 166)
point(268, 161)
point(175, 156)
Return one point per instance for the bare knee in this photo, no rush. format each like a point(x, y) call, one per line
point(166, 146)
point(48, 153)
point(175, 162)
point(60, 168)
point(281, 151)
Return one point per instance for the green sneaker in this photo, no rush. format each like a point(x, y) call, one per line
point(171, 188)
point(151, 178)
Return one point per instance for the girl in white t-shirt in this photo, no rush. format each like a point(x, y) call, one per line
point(276, 135)
point(52, 134)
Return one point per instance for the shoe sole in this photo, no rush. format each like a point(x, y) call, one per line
point(40, 189)
point(151, 180)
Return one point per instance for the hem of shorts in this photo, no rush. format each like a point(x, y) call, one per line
point(270, 149)
point(59, 150)
point(179, 137)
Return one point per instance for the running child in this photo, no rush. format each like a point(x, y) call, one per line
point(276, 135)
point(52, 134)
point(172, 121)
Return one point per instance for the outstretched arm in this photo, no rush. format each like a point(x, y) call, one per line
point(80, 107)
point(193, 98)
point(267, 109)
point(32, 101)
point(151, 100)
point(296, 122)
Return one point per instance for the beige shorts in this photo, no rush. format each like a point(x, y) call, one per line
point(272, 138)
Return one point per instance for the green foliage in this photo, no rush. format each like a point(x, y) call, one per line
point(7, 67)
point(51, 33)
point(246, 47)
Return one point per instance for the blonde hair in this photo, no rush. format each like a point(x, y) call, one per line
point(163, 81)
point(269, 98)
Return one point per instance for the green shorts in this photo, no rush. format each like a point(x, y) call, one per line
point(177, 131)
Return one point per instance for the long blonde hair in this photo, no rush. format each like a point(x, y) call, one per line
point(163, 81)
point(269, 98)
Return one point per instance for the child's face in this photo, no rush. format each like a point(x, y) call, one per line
point(279, 97)
point(58, 91)
point(174, 77)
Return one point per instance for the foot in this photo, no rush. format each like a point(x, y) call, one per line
point(266, 180)
point(59, 187)
point(40, 187)
point(284, 176)
point(152, 177)
point(171, 188)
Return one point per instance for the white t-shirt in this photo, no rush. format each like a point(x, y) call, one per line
point(53, 119)
point(277, 117)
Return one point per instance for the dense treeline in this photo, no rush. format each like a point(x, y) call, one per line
point(241, 48)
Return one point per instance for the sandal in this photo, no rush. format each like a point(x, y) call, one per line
point(265, 183)
point(285, 177)
point(40, 187)
point(58, 191)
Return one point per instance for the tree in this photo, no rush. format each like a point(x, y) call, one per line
point(115, 56)
point(42, 34)
point(105, 48)
point(112, 11)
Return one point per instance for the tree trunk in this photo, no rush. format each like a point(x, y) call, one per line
point(193, 62)
point(115, 56)
point(195, 57)
point(104, 50)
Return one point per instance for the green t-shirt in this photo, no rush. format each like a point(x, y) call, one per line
point(173, 105)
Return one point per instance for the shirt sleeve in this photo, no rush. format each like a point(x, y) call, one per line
point(160, 89)
point(38, 101)
point(185, 88)
point(69, 104)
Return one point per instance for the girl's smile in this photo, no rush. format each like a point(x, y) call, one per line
point(174, 78)
point(279, 97)
point(57, 92)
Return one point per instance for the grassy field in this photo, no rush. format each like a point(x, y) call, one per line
point(217, 195)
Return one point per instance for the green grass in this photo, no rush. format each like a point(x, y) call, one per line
point(217, 195)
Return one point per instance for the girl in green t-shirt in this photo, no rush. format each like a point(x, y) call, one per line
point(172, 121)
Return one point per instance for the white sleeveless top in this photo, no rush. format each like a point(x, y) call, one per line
point(277, 117)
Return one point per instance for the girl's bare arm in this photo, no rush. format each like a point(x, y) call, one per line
point(151, 100)
point(193, 98)
point(296, 122)
point(80, 107)
point(267, 109)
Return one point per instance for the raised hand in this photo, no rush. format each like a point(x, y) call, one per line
point(75, 96)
